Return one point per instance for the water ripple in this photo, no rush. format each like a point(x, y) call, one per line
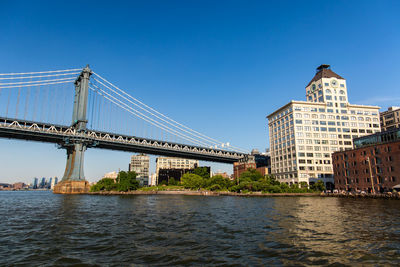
point(42, 229)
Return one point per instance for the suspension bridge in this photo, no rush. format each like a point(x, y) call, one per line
point(37, 106)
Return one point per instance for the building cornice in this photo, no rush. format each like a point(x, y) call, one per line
point(296, 102)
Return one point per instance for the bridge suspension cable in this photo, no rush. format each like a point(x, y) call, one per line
point(45, 96)
point(160, 119)
point(143, 116)
point(38, 96)
point(40, 72)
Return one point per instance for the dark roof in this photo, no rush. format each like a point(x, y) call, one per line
point(324, 71)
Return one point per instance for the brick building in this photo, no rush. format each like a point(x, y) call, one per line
point(373, 163)
point(243, 165)
point(258, 161)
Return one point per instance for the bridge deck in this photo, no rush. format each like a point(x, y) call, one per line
point(62, 135)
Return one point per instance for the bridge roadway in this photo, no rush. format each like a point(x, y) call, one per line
point(64, 135)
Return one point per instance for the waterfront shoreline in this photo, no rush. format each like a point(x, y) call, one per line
point(202, 193)
point(363, 195)
point(250, 194)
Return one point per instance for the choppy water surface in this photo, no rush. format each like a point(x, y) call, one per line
point(39, 228)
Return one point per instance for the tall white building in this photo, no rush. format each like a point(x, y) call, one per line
point(303, 134)
point(140, 164)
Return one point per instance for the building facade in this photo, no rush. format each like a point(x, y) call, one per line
point(304, 134)
point(373, 164)
point(259, 161)
point(175, 164)
point(245, 163)
point(390, 119)
point(140, 164)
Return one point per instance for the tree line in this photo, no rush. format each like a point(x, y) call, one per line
point(249, 181)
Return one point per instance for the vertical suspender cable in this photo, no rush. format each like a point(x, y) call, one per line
point(52, 99)
point(8, 101)
point(17, 106)
point(35, 104)
point(28, 95)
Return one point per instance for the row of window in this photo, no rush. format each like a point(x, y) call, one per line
point(333, 123)
point(372, 151)
point(311, 155)
point(341, 98)
point(327, 90)
point(321, 110)
point(342, 92)
point(378, 180)
point(312, 168)
point(324, 148)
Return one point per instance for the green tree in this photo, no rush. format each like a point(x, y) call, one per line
point(250, 175)
point(270, 179)
point(303, 185)
point(218, 182)
point(172, 181)
point(105, 184)
point(192, 181)
point(127, 181)
point(318, 186)
point(202, 171)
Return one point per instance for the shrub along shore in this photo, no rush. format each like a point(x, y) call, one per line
point(199, 182)
point(187, 192)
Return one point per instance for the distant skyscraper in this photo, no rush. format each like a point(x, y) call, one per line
point(140, 164)
point(48, 185)
point(42, 183)
point(35, 183)
point(53, 182)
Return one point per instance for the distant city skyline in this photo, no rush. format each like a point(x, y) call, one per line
point(218, 67)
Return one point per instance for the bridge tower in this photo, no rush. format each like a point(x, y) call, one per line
point(73, 181)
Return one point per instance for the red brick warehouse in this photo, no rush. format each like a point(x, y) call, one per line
point(373, 163)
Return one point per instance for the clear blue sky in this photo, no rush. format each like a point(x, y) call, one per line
point(217, 66)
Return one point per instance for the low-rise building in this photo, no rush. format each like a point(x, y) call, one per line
point(165, 175)
point(390, 119)
point(19, 186)
point(259, 161)
point(372, 165)
point(245, 163)
point(176, 166)
point(112, 175)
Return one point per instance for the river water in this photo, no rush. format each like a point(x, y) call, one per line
point(43, 229)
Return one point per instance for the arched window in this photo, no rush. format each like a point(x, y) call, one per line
point(341, 92)
point(328, 91)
